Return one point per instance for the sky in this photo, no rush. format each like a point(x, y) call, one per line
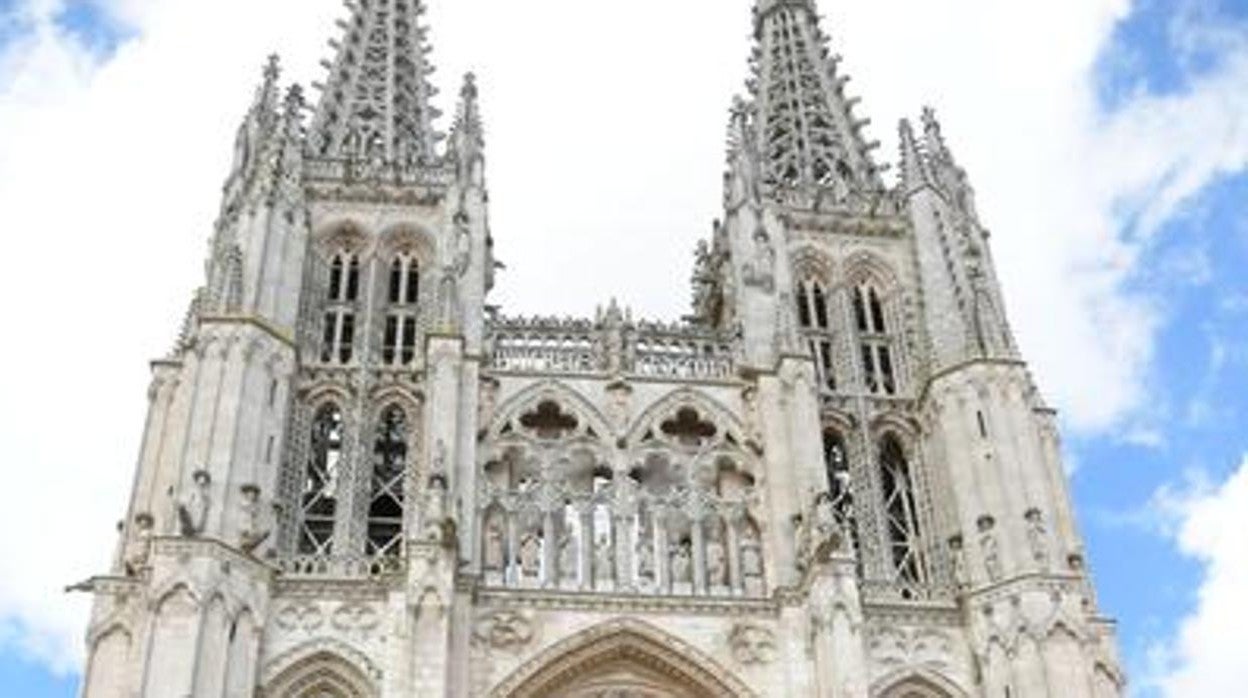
point(1107, 141)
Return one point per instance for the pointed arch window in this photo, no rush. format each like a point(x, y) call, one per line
point(399, 342)
point(386, 503)
point(875, 341)
point(319, 495)
point(338, 333)
point(815, 321)
point(905, 551)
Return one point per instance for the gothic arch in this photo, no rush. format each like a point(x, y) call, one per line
point(408, 399)
point(811, 262)
point(903, 427)
point(555, 391)
point(863, 266)
point(340, 234)
point(685, 397)
point(916, 683)
point(322, 664)
point(321, 394)
point(621, 647)
point(173, 587)
point(408, 238)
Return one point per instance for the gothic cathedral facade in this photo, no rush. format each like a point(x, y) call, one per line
point(834, 478)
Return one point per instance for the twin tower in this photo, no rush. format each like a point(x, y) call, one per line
point(834, 478)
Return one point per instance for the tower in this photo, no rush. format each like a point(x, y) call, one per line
point(834, 478)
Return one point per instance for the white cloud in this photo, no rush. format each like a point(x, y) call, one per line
point(606, 130)
point(1206, 658)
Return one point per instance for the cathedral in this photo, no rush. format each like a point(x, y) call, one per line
point(834, 478)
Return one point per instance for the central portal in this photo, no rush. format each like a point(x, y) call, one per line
point(622, 659)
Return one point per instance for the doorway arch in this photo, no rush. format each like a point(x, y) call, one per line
point(623, 657)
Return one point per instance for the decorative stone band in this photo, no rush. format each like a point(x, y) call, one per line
point(573, 346)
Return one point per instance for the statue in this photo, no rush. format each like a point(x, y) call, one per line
point(958, 554)
point(139, 548)
point(760, 270)
point(569, 567)
point(193, 509)
point(494, 545)
point(716, 563)
point(604, 565)
point(531, 556)
point(251, 536)
point(435, 519)
point(1037, 537)
point(645, 559)
point(992, 556)
point(681, 563)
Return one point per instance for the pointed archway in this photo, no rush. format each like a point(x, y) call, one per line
point(623, 657)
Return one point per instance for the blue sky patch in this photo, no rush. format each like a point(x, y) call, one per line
point(92, 26)
point(1192, 428)
point(1163, 45)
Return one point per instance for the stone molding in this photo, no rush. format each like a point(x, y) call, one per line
point(620, 639)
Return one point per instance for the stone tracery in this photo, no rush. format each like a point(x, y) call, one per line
point(670, 514)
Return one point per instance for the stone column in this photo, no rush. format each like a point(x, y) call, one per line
point(836, 628)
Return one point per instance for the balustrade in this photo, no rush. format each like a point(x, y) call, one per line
point(583, 347)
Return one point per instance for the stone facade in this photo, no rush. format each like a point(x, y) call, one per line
point(834, 478)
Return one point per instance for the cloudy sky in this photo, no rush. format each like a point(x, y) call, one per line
point(1107, 139)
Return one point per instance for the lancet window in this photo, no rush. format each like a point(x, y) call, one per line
point(386, 504)
point(318, 505)
point(342, 292)
point(814, 317)
point(879, 369)
point(901, 515)
point(403, 293)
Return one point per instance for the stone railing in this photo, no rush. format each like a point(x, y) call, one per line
point(339, 567)
point(341, 170)
point(610, 345)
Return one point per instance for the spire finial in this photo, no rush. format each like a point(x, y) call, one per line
point(378, 96)
point(816, 153)
point(934, 137)
point(273, 68)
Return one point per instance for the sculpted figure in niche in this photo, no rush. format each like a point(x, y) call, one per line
point(494, 545)
point(193, 509)
point(716, 563)
point(604, 564)
point(252, 534)
point(531, 556)
point(645, 559)
point(751, 554)
point(568, 558)
point(682, 560)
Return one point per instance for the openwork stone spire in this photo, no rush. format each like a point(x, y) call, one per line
point(376, 103)
point(811, 145)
